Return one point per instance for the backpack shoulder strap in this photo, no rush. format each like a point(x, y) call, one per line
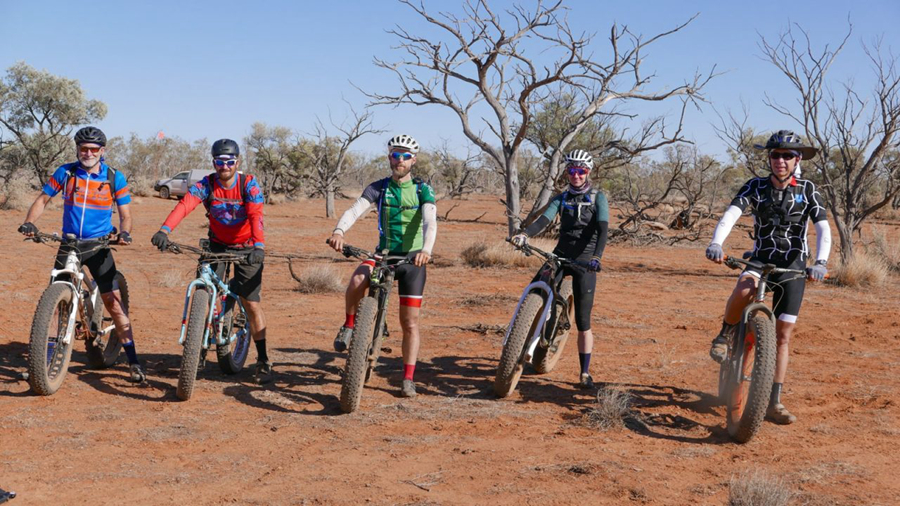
point(111, 179)
point(207, 202)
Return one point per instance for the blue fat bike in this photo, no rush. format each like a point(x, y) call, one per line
point(213, 315)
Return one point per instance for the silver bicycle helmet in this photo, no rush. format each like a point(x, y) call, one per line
point(403, 141)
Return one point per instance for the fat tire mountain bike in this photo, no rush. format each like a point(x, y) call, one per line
point(748, 371)
point(213, 315)
point(371, 325)
point(541, 322)
point(71, 309)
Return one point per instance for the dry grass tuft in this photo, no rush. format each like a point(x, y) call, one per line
point(319, 279)
point(611, 411)
point(500, 254)
point(758, 488)
point(862, 270)
point(172, 278)
point(17, 195)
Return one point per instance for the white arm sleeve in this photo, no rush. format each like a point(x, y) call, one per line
point(351, 215)
point(429, 226)
point(732, 214)
point(823, 240)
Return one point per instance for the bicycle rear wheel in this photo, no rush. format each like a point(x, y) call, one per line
point(749, 390)
point(193, 344)
point(231, 356)
point(511, 360)
point(358, 361)
point(102, 353)
point(48, 357)
point(545, 359)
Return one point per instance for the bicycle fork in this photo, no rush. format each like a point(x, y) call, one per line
point(739, 340)
point(545, 315)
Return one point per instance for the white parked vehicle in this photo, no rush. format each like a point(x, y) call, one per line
point(179, 184)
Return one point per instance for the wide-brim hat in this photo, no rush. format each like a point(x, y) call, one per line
point(785, 139)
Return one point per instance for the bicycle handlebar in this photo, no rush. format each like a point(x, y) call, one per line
point(528, 250)
point(736, 263)
point(205, 254)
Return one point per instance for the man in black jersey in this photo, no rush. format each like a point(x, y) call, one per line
point(782, 206)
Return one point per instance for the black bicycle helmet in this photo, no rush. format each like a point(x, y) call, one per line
point(90, 135)
point(225, 147)
point(786, 139)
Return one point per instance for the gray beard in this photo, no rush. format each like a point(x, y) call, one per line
point(88, 167)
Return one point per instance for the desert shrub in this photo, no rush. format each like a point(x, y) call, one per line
point(862, 270)
point(610, 411)
point(886, 249)
point(277, 198)
point(319, 279)
point(758, 488)
point(500, 254)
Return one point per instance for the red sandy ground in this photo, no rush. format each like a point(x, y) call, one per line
point(101, 440)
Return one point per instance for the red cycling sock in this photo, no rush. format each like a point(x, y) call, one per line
point(408, 370)
point(350, 322)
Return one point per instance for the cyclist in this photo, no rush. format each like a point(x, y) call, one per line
point(407, 226)
point(234, 205)
point(782, 205)
point(90, 188)
point(583, 227)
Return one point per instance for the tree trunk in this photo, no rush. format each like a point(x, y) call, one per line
point(513, 205)
point(329, 201)
point(845, 232)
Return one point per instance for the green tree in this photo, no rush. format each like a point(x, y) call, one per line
point(41, 111)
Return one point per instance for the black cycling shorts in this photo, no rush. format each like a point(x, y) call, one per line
point(584, 285)
point(99, 262)
point(787, 289)
point(410, 281)
point(246, 280)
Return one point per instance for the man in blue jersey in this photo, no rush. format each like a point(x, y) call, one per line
point(90, 188)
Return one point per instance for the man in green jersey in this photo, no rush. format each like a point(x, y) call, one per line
point(407, 225)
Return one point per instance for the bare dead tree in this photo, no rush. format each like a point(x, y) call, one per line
point(482, 66)
point(270, 151)
point(856, 132)
point(328, 155)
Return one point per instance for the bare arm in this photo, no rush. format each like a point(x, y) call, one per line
point(37, 208)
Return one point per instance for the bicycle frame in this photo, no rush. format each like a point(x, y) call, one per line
point(549, 287)
point(758, 305)
point(208, 280)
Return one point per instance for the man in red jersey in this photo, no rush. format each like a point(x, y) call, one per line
point(234, 204)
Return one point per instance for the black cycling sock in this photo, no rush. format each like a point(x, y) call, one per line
point(776, 394)
point(585, 360)
point(261, 354)
point(129, 351)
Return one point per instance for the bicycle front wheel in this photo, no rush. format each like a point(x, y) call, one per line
point(193, 344)
point(231, 356)
point(101, 353)
point(48, 356)
point(512, 359)
point(358, 355)
point(545, 359)
point(749, 390)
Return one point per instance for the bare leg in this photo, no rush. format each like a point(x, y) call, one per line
point(356, 290)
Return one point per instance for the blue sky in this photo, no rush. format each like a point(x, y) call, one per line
point(210, 69)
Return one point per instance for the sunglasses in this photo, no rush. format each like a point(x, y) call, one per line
point(85, 149)
point(223, 163)
point(396, 155)
point(577, 170)
point(783, 156)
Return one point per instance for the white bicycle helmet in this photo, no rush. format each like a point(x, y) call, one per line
point(580, 157)
point(403, 141)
